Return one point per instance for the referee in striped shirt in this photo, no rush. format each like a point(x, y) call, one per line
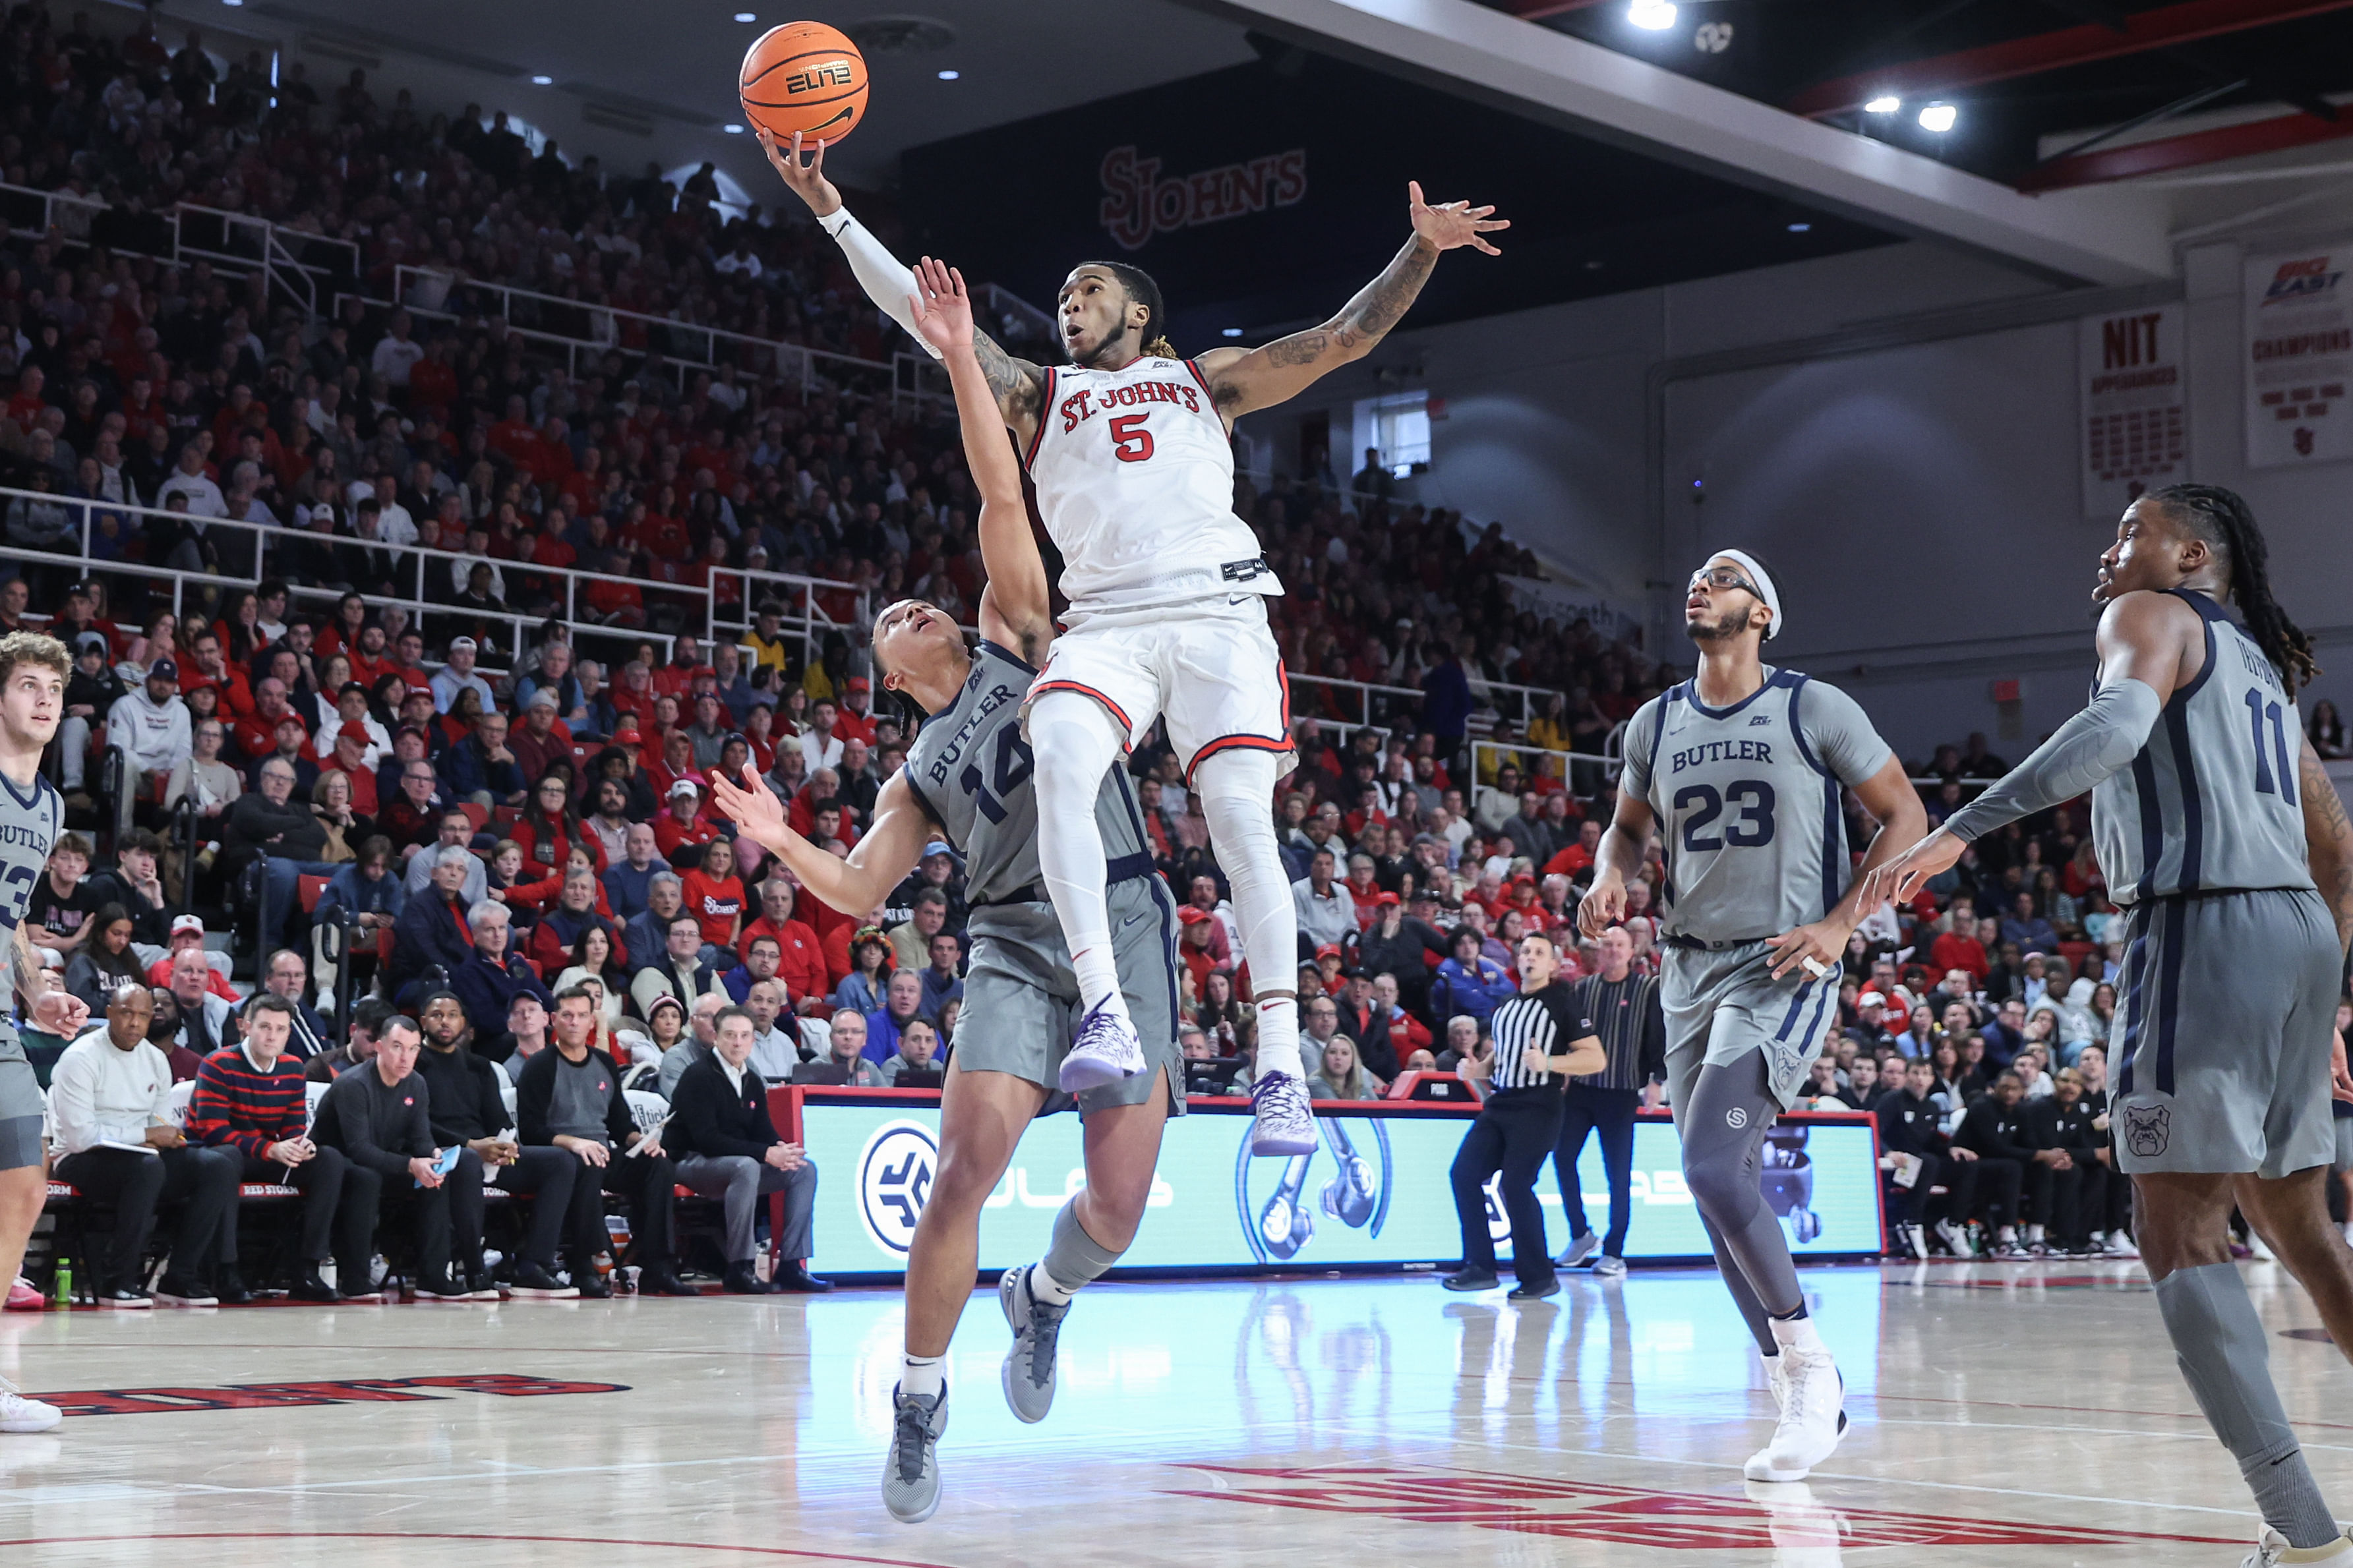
point(1626, 1013)
point(1540, 1039)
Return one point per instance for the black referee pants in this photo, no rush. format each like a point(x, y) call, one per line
point(1611, 1113)
point(1515, 1133)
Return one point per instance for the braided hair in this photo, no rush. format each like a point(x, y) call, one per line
point(2223, 520)
point(1142, 290)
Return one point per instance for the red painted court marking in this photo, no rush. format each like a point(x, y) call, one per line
point(291, 1396)
point(569, 1540)
point(1633, 1516)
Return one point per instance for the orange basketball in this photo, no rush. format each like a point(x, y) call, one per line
point(804, 76)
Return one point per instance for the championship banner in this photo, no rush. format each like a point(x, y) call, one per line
point(1374, 1194)
point(2299, 357)
point(2133, 374)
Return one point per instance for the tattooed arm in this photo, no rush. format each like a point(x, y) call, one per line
point(1019, 386)
point(2328, 840)
point(1244, 379)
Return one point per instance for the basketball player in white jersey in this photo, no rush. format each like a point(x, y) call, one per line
point(32, 699)
point(2222, 838)
point(1130, 449)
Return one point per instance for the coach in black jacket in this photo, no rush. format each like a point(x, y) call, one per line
point(1995, 1130)
point(467, 1109)
point(727, 1148)
point(569, 1098)
point(376, 1118)
point(2072, 1197)
point(1908, 1124)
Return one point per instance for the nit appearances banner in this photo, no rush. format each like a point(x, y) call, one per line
point(1375, 1192)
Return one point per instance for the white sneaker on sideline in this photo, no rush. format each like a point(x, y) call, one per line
point(18, 1413)
point(1955, 1237)
point(2120, 1245)
point(2272, 1550)
point(1578, 1249)
point(1607, 1268)
point(1105, 1052)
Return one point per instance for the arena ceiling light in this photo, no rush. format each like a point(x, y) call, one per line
point(1656, 15)
point(1801, 228)
point(1233, 331)
point(543, 81)
point(1885, 103)
point(747, 16)
point(950, 75)
point(1938, 117)
point(733, 129)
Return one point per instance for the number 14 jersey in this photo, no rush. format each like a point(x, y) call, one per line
point(971, 768)
point(1748, 799)
point(1136, 485)
point(2212, 802)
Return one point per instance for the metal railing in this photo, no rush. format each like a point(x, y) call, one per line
point(1524, 700)
point(295, 260)
point(261, 544)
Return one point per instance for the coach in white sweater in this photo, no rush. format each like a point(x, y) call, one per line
point(110, 1100)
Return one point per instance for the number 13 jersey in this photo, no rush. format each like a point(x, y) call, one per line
point(29, 831)
point(1748, 804)
point(1135, 483)
point(971, 768)
point(2212, 804)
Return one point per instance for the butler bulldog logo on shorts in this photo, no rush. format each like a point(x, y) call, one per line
point(894, 1178)
point(2146, 1130)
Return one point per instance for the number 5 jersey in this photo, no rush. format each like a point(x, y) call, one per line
point(1748, 799)
point(971, 768)
point(1135, 483)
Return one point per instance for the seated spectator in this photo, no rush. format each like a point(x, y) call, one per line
point(727, 1148)
point(481, 768)
point(682, 830)
point(106, 962)
point(555, 936)
point(1910, 1127)
point(845, 1062)
point(714, 895)
point(941, 982)
point(800, 959)
point(902, 999)
point(862, 988)
point(776, 1046)
point(702, 1037)
point(569, 1098)
point(911, 941)
point(366, 890)
point(1470, 983)
point(285, 975)
point(152, 727)
point(249, 1100)
point(489, 978)
point(526, 1036)
point(1327, 912)
point(679, 971)
point(647, 936)
point(628, 882)
point(759, 964)
point(57, 911)
point(433, 931)
point(1995, 1130)
point(376, 1119)
point(110, 1095)
point(367, 1022)
point(272, 827)
point(912, 1064)
point(1337, 1074)
point(2028, 930)
point(206, 1021)
point(136, 883)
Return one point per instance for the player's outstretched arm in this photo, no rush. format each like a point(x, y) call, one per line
point(1016, 611)
point(1018, 386)
point(891, 848)
point(2328, 842)
point(1243, 379)
point(1896, 805)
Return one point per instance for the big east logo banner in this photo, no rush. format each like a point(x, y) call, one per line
point(1138, 202)
point(2299, 357)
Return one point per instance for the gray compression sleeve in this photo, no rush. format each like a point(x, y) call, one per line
point(2105, 737)
point(887, 280)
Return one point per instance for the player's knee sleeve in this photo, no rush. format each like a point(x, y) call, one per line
point(1237, 790)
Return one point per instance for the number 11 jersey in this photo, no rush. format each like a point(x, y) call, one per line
point(971, 768)
point(2212, 804)
point(1748, 799)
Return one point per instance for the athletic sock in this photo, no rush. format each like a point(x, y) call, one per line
point(1278, 1037)
point(1073, 1260)
point(2220, 1343)
point(1076, 743)
point(922, 1375)
point(1797, 1334)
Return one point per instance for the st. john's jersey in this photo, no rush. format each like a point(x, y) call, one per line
point(1748, 799)
point(971, 768)
point(2212, 803)
point(1135, 483)
point(28, 830)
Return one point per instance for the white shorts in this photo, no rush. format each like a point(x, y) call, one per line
point(1209, 667)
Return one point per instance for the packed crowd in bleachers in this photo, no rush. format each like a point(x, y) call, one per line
point(416, 757)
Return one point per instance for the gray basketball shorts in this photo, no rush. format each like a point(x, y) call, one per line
point(20, 1115)
point(1721, 1005)
point(2221, 1046)
point(1021, 996)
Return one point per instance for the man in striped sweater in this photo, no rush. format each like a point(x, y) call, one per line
point(251, 1098)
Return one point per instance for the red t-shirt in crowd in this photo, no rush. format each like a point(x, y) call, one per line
point(716, 901)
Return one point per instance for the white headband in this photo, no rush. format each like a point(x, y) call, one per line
point(1764, 589)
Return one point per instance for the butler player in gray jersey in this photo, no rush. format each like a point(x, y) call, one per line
point(2219, 833)
point(1741, 768)
point(32, 697)
point(967, 777)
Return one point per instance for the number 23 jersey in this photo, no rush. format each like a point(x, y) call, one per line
point(1136, 484)
point(1747, 802)
point(971, 768)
